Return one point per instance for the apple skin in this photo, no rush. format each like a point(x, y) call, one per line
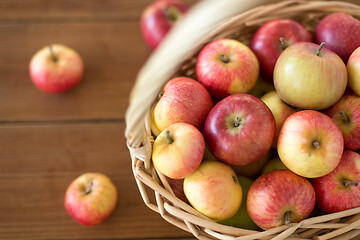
point(267, 46)
point(242, 219)
point(177, 186)
point(277, 192)
point(90, 198)
point(253, 169)
point(183, 100)
point(56, 75)
point(158, 18)
point(261, 88)
point(239, 130)
point(272, 165)
point(279, 109)
point(178, 150)
point(353, 67)
point(213, 190)
point(332, 195)
point(307, 81)
point(237, 73)
point(310, 144)
point(348, 121)
point(341, 32)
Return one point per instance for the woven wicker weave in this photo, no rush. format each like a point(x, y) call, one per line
point(209, 20)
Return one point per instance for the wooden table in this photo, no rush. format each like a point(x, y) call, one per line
point(46, 141)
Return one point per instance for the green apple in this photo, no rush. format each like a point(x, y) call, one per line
point(272, 165)
point(253, 169)
point(242, 218)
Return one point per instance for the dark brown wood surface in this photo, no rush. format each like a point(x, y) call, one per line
point(46, 141)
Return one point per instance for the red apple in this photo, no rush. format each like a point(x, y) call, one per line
point(226, 67)
point(177, 186)
point(239, 129)
point(346, 114)
point(308, 76)
point(91, 198)
point(279, 109)
point(183, 100)
point(158, 18)
point(213, 190)
point(341, 32)
point(353, 67)
point(178, 150)
point(340, 190)
point(272, 38)
point(56, 68)
point(280, 197)
point(310, 144)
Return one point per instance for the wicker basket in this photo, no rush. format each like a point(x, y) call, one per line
point(209, 20)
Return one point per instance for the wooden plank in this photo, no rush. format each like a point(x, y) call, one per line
point(93, 10)
point(38, 162)
point(113, 53)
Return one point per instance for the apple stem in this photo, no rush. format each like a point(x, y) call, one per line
point(54, 58)
point(88, 189)
point(224, 58)
point(168, 14)
point(319, 49)
point(283, 43)
point(349, 182)
point(168, 137)
point(237, 121)
point(316, 144)
point(344, 117)
point(287, 218)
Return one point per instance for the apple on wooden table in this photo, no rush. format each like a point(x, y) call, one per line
point(181, 100)
point(158, 18)
point(346, 114)
point(90, 198)
point(178, 150)
point(340, 190)
point(239, 130)
point(308, 76)
point(341, 32)
point(310, 144)
point(226, 67)
point(56, 68)
point(272, 38)
point(213, 190)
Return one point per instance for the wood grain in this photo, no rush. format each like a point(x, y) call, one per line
point(67, 10)
point(112, 52)
point(38, 162)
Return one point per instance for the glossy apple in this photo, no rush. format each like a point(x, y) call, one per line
point(340, 190)
point(279, 109)
point(272, 38)
point(90, 198)
point(178, 150)
point(280, 197)
point(272, 165)
point(183, 100)
point(226, 67)
point(346, 114)
point(307, 76)
point(213, 190)
point(158, 18)
point(56, 68)
point(341, 32)
point(353, 67)
point(177, 186)
point(242, 219)
point(310, 144)
point(239, 130)
point(253, 169)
